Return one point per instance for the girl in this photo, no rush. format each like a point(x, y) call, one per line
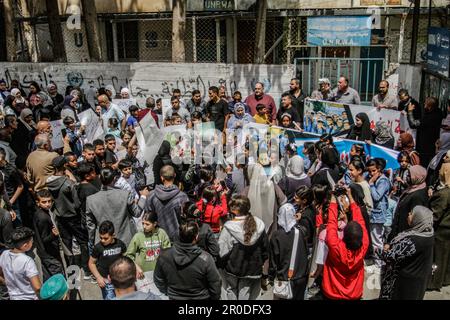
point(401, 178)
point(356, 152)
point(206, 238)
point(281, 251)
point(356, 169)
point(243, 244)
point(213, 209)
point(406, 143)
point(113, 127)
point(309, 155)
point(145, 246)
point(306, 215)
point(295, 177)
point(361, 129)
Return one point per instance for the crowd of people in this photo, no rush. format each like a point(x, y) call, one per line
point(306, 225)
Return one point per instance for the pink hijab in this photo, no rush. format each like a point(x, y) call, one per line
point(418, 177)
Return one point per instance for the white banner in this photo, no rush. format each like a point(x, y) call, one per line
point(57, 140)
point(93, 125)
point(124, 104)
point(149, 137)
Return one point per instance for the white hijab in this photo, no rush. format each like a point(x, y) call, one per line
point(286, 217)
point(296, 168)
point(261, 194)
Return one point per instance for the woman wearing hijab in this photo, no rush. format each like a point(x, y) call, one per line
point(382, 135)
point(415, 195)
point(328, 168)
point(361, 129)
point(162, 159)
point(443, 145)
point(23, 138)
point(440, 205)
point(281, 250)
point(428, 129)
point(409, 258)
point(265, 196)
point(295, 177)
point(406, 143)
point(239, 119)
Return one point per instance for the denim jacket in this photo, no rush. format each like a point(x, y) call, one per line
point(380, 192)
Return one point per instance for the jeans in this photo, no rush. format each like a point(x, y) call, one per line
point(108, 291)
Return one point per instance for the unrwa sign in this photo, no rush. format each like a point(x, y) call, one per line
point(218, 5)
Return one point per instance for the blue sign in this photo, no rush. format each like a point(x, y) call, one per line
point(339, 31)
point(438, 50)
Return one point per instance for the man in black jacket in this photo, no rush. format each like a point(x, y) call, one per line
point(185, 271)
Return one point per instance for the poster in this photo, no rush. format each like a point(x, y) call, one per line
point(148, 285)
point(327, 117)
point(57, 139)
point(93, 125)
point(124, 104)
point(149, 138)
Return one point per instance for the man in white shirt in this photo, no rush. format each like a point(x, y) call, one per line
point(110, 110)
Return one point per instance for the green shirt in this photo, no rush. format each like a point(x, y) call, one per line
point(144, 248)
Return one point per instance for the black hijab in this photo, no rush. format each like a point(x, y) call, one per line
point(362, 133)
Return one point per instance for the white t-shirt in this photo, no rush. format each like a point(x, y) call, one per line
point(18, 269)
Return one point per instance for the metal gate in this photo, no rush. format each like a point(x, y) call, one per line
point(363, 74)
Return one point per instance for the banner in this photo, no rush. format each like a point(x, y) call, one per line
point(57, 139)
point(149, 138)
point(344, 146)
point(331, 117)
point(327, 117)
point(93, 125)
point(124, 104)
point(339, 31)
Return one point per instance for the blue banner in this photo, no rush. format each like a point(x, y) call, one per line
point(348, 31)
point(343, 146)
point(438, 50)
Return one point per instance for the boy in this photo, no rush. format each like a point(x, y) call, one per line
point(108, 250)
point(72, 164)
point(261, 115)
point(132, 119)
point(74, 135)
point(126, 180)
point(17, 270)
point(111, 159)
point(47, 236)
point(379, 188)
point(99, 150)
point(67, 206)
point(86, 188)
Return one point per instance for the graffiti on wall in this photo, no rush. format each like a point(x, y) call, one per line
point(162, 90)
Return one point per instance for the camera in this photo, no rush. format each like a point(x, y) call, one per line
point(339, 191)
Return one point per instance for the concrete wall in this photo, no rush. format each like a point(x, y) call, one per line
point(153, 79)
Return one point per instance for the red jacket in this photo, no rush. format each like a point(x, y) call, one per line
point(343, 274)
point(212, 214)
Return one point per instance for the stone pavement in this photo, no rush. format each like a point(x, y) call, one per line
point(91, 291)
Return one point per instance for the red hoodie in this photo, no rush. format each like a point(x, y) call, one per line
point(343, 274)
point(212, 214)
